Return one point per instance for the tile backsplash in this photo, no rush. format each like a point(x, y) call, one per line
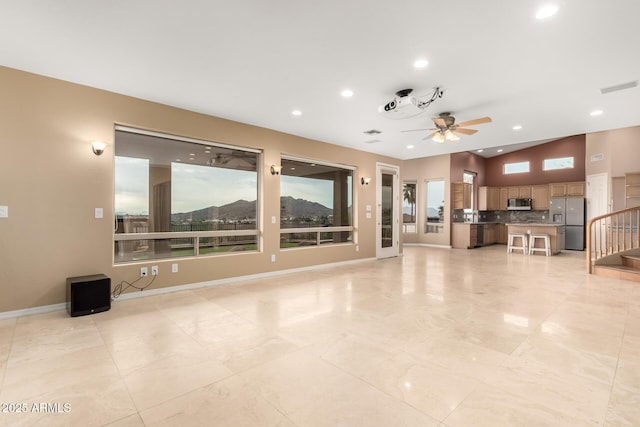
point(457, 215)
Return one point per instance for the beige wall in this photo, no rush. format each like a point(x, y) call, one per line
point(420, 171)
point(621, 151)
point(52, 181)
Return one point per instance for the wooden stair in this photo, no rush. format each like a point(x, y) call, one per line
point(628, 269)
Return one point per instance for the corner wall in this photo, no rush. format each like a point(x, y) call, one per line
point(52, 182)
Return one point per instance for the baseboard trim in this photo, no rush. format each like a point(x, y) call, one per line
point(427, 245)
point(178, 288)
point(33, 310)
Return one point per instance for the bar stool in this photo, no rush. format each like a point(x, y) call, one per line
point(547, 244)
point(523, 240)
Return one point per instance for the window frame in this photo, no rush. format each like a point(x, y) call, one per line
point(318, 231)
point(545, 169)
point(194, 236)
point(406, 226)
point(434, 227)
point(504, 167)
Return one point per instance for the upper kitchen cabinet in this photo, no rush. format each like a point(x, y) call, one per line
point(540, 196)
point(567, 189)
point(489, 199)
point(461, 195)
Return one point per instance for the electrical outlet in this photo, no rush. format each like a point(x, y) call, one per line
point(154, 270)
point(143, 271)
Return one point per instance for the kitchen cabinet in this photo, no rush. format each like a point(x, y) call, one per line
point(461, 195)
point(501, 234)
point(558, 190)
point(489, 234)
point(524, 192)
point(464, 236)
point(469, 235)
point(632, 189)
point(567, 189)
point(488, 199)
point(540, 196)
point(519, 192)
point(504, 196)
point(575, 189)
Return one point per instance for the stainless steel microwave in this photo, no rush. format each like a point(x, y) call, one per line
point(518, 204)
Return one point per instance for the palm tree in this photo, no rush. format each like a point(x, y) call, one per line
point(409, 195)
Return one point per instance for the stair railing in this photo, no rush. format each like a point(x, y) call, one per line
point(612, 233)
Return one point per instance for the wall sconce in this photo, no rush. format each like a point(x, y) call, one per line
point(275, 169)
point(98, 147)
point(365, 181)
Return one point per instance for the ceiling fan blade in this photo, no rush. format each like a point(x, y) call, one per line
point(439, 121)
point(465, 131)
point(414, 130)
point(429, 136)
point(475, 122)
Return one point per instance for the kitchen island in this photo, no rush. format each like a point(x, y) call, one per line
point(556, 233)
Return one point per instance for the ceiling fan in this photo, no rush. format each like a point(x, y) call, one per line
point(446, 128)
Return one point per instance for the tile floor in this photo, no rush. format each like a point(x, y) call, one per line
point(437, 337)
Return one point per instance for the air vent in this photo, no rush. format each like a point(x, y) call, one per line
point(372, 141)
point(616, 88)
point(372, 132)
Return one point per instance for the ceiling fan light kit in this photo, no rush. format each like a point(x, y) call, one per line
point(446, 128)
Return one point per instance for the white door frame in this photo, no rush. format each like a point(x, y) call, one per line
point(394, 249)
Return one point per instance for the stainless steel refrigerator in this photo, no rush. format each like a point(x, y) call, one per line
point(569, 211)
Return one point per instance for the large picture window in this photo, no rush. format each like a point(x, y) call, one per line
point(178, 197)
point(316, 203)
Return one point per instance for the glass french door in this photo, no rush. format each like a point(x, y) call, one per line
point(388, 221)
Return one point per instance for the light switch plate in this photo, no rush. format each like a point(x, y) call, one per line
point(99, 213)
point(174, 268)
point(4, 211)
point(368, 215)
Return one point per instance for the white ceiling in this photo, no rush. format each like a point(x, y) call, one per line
point(255, 61)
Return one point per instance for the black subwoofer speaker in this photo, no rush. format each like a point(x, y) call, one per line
point(88, 294)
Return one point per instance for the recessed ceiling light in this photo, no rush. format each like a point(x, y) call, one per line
point(500, 150)
point(296, 112)
point(480, 150)
point(192, 158)
point(192, 154)
point(517, 127)
point(410, 147)
point(178, 160)
point(546, 11)
point(347, 93)
point(596, 113)
point(420, 63)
